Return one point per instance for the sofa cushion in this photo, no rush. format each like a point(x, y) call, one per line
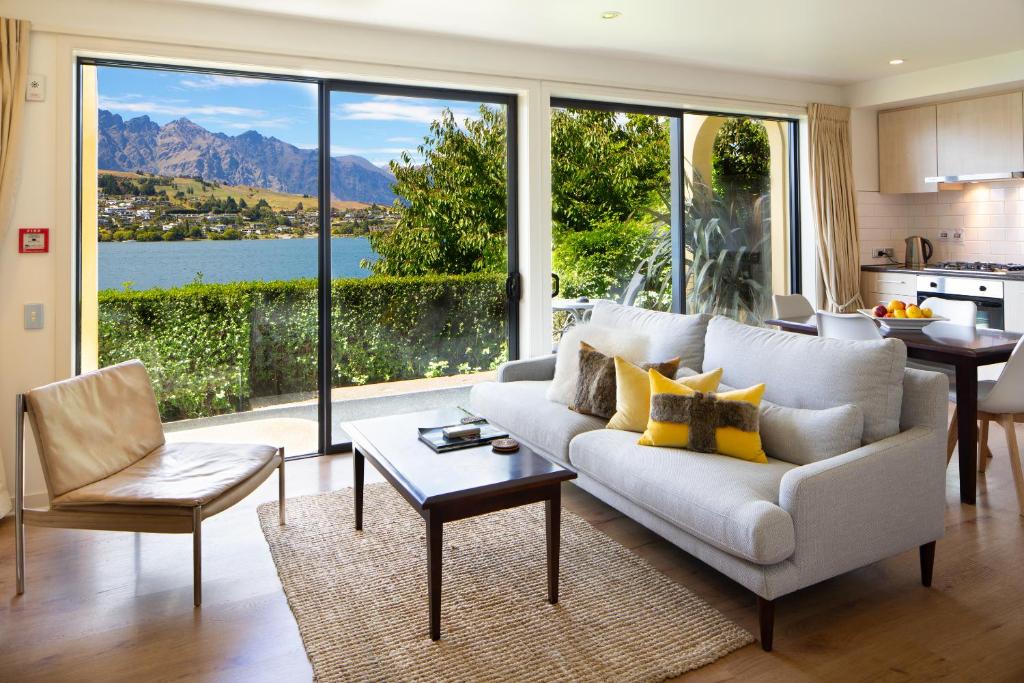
point(523, 409)
point(671, 334)
point(802, 436)
point(728, 503)
point(802, 371)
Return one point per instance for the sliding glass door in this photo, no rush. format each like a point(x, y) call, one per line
point(740, 214)
point(671, 209)
point(198, 243)
point(284, 254)
point(422, 250)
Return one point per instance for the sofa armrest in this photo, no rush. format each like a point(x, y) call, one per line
point(873, 502)
point(537, 369)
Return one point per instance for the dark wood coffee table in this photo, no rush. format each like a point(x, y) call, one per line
point(444, 487)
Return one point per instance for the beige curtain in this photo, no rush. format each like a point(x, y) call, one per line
point(13, 77)
point(834, 208)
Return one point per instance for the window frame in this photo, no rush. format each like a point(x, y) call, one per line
point(677, 172)
point(325, 86)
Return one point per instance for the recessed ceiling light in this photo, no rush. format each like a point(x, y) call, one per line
point(612, 14)
point(896, 62)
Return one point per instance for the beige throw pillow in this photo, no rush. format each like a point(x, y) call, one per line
point(610, 341)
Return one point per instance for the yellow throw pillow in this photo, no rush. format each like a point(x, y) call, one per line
point(725, 423)
point(633, 393)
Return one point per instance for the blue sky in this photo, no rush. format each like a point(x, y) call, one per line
point(377, 127)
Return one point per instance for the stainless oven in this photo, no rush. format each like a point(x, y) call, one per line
point(986, 293)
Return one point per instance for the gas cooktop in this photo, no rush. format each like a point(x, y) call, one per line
point(976, 266)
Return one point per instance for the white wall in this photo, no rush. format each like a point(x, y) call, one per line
point(201, 35)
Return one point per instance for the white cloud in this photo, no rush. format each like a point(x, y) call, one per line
point(171, 109)
point(410, 140)
point(214, 81)
point(254, 124)
point(392, 108)
point(341, 150)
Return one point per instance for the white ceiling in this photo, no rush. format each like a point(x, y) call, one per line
point(829, 41)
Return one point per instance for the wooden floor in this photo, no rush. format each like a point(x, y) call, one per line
point(104, 606)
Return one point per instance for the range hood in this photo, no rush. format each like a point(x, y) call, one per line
point(975, 177)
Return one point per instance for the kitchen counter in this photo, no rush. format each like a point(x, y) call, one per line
point(882, 268)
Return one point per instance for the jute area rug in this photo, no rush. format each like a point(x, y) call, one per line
point(360, 598)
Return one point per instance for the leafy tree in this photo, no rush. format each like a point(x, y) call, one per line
point(605, 166)
point(741, 160)
point(452, 214)
point(452, 206)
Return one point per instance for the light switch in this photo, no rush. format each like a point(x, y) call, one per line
point(33, 316)
point(35, 89)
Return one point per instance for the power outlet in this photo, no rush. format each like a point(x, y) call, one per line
point(958, 236)
point(944, 235)
point(882, 253)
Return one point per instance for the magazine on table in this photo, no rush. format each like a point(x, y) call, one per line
point(439, 443)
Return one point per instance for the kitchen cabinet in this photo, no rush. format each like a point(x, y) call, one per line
point(981, 135)
point(1013, 305)
point(883, 286)
point(907, 150)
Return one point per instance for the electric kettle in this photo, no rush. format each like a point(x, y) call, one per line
point(919, 250)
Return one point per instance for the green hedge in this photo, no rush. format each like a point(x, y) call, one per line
point(213, 348)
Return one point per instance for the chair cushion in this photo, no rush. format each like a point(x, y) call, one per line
point(802, 371)
point(177, 474)
point(91, 426)
point(671, 334)
point(523, 409)
point(729, 503)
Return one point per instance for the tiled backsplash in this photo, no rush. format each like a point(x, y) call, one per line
point(991, 216)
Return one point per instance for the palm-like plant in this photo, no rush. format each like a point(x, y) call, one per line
point(726, 253)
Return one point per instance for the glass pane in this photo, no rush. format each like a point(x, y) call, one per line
point(737, 222)
point(201, 257)
point(419, 245)
point(610, 193)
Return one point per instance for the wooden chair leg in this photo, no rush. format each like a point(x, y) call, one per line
point(197, 555)
point(927, 553)
point(951, 438)
point(983, 452)
point(1015, 464)
point(280, 487)
point(766, 620)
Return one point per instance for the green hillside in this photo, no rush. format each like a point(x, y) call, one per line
point(197, 189)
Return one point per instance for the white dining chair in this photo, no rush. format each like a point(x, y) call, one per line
point(1001, 401)
point(846, 326)
point(964, 313)
point(792, 306)
point(958, 312)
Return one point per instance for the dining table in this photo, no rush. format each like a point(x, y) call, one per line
point(963, 347)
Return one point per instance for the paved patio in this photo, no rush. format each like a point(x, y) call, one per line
point(294, 424)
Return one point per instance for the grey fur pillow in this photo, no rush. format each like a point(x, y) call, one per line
point(595, 388)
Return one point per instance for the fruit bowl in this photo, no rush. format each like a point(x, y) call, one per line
point(901, 323)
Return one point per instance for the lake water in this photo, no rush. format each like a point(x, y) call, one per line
point(169, 264)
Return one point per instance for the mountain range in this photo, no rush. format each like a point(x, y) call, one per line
point(184, 148)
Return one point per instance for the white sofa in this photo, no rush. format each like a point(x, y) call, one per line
point(776, 527)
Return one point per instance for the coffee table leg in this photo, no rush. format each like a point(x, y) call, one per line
point(434, 535)
point(552, 518)
point(358, 464)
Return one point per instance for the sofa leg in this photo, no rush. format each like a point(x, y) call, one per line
point(927, 552)
point(197, 555)
point(766, 619)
